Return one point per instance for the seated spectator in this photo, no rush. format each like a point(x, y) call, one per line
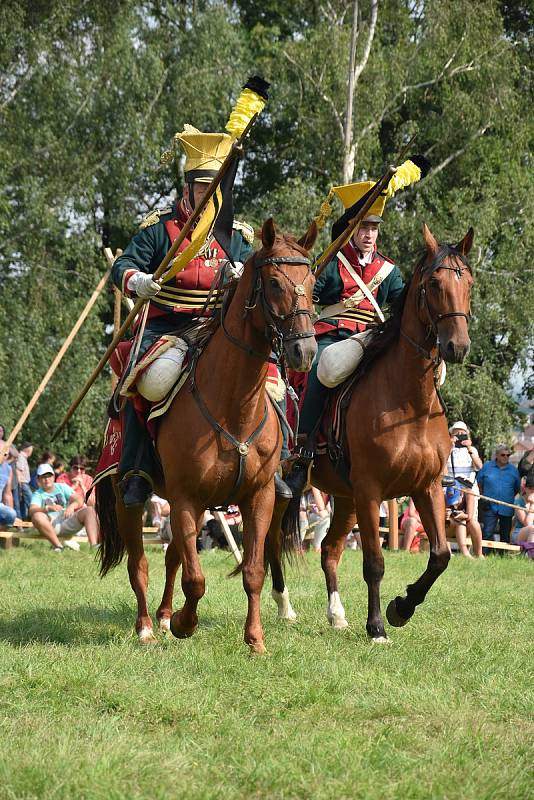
point(160, 512)
point(524, 527)
point(47, 457)
point(410, 527)
point(499, 480)
point(78, 479)
point(53, 511)
point(59, 466)
point(235, 522)
point(23, 475)
point(7, 512)
point(317, 516)
point(458, 519)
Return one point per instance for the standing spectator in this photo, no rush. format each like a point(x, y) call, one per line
point(12, 461)
point(526, 466)
point(54, 511)
point(463, 463)
point(78, 479)
point(499, 480)
point(7, 511)
point(23, 475)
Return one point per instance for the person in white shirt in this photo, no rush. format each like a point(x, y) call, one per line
point(463, 464)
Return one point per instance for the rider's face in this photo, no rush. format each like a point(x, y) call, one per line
point(365, 237)
point(199, 190)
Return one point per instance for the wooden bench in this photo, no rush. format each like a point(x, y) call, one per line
point(25, 530)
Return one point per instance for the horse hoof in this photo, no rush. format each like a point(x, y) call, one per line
point(146, 636)
point(393, 616)
point(257, 649)
point(380, 639)
point(178, 629)
point(338, 623)
point(164, 624)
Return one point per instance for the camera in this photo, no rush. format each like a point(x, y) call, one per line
point(460, 439)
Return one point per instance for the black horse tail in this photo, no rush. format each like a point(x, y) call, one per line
point(112, 546)
point(290, 528)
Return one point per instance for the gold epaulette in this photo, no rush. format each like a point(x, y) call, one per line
point(153, 217)
point(246, 230)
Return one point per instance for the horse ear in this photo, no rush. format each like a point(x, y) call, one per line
point(268, 233)
point(308, 240)
point(431, 244)
point(467, 242)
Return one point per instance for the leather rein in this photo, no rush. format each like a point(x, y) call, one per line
point(277, 338)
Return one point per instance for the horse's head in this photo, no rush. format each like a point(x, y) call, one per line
point(282, 290)
point(444, 291)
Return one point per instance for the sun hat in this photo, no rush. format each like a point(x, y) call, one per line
point(44, 469)
point(459, 426)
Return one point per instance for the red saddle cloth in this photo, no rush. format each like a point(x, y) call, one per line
point(331, 422)
point(112, 444)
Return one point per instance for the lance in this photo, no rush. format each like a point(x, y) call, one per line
point(343, 237)
point(235, 151)
point(55, 363)
point(379, 187)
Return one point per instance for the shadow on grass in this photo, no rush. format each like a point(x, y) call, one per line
point(78, 625)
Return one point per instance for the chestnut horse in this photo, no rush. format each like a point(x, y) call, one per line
point(220, 441)
point(396, 437)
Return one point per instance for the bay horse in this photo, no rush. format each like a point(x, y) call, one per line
point(396, 437)
point(220, 441)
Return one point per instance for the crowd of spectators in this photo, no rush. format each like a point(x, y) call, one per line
point(49, 496)
point(493, 500)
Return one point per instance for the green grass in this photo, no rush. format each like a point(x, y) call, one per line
point(444, 711)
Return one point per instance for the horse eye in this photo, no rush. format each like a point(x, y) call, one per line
point(275, 284)
point(433, 283)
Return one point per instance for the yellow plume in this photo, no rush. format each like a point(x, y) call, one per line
point(407, 173)
point(248, 104)
point(324, 211)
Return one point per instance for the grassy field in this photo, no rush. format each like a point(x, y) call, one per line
point(444, 711)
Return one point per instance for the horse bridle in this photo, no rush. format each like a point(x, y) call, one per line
point(437, 264)
point(277, 339)
point(275, 334)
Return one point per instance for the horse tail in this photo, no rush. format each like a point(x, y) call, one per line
point(112, 546)
point(290, 528)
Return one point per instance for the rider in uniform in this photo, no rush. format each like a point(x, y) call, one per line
point(177, 302)
point(351, 289)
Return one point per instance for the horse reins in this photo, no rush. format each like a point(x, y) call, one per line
point(277, 339)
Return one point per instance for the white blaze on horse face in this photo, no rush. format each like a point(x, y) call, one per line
point(335, 612)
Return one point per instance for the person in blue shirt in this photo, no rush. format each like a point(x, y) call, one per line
point(499, 480)
point(54, 511)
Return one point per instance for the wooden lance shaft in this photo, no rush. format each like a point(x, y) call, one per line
point(55, 363)
point(338, 243)
point(195, 214)
point(492, 499)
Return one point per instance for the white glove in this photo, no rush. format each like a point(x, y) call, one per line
point(232, 272)
point(143, 285)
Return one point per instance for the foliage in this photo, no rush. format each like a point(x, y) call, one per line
point(91, 94)
point(444, 711)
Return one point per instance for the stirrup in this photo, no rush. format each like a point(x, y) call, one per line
point(299, 475)
point(135, 491)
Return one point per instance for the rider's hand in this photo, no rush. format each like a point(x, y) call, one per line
point(233, 271)
point(143, 285)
